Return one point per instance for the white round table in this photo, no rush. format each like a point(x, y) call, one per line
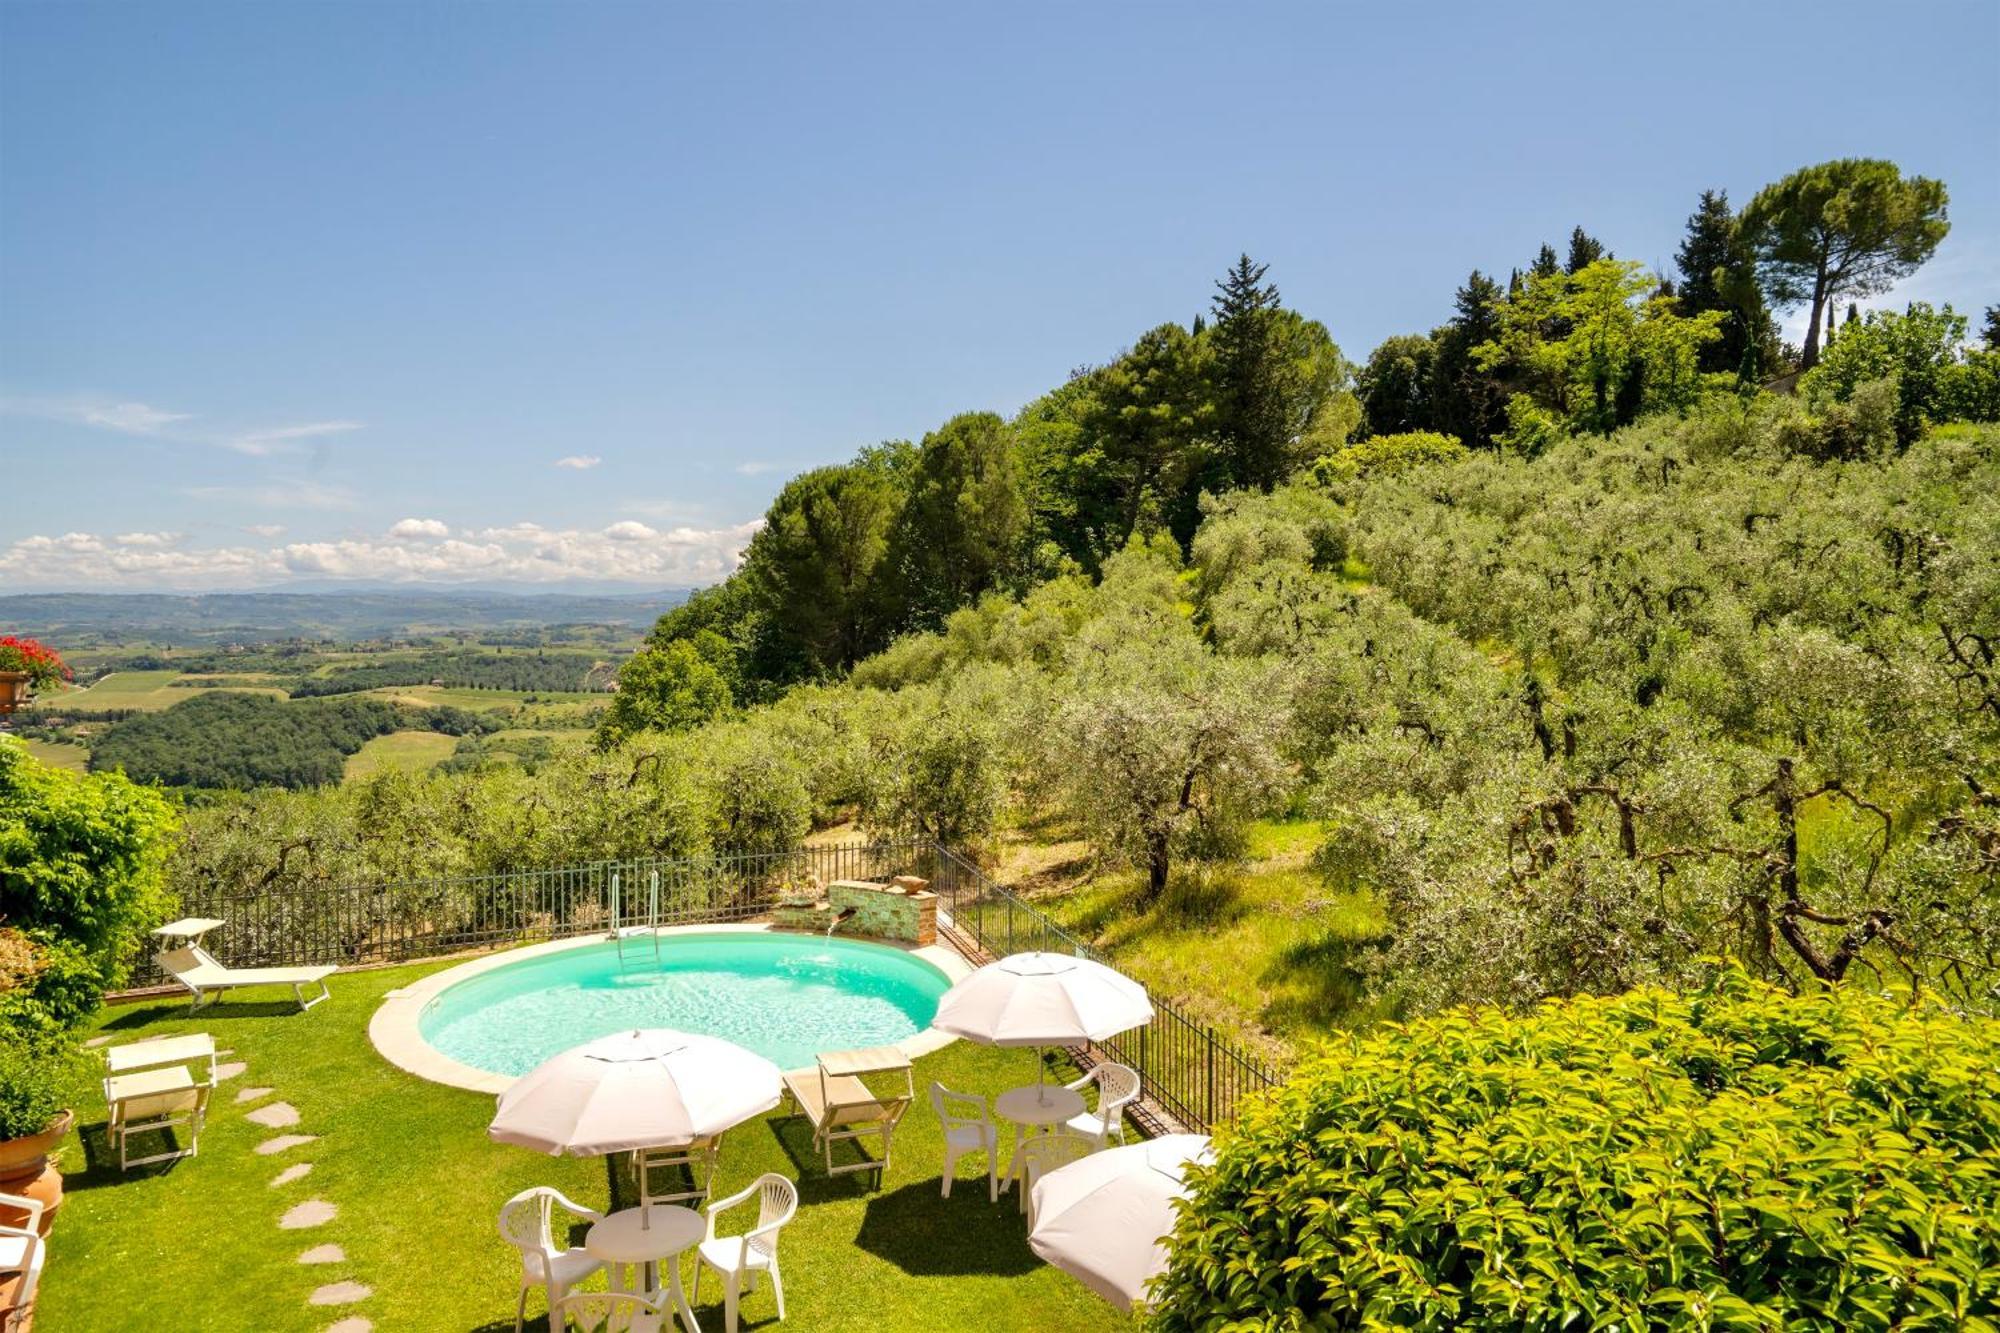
point(1035, 1108)
point(620, 1240)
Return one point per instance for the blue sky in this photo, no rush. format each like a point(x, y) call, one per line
point(316, 291)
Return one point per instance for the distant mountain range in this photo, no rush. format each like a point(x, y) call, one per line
point(344, 615)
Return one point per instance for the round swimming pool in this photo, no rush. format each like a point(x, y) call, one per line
point(786, 997)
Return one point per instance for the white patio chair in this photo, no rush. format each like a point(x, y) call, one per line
point(525, 1222)
point(699, 1157)
point(738, 1258)
point(608, 1312)
point(22, 1251)
point(155, 1099)
point(1117, 1088)
point(1042, 1154)
point(968, 1128)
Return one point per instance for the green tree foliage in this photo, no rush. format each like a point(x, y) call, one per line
point(1921, 349)
point(1584, 250)
point(234, 740)
point(675, 687)
point(812, 572)
point(1471, 403)
point(1737, 1158)
point(1623, 349)
point(1719, 272)
point(1281, 386)
point(458, 670)
point(1146, 425)
point(80, 863)
point(1398, 386)
point(1850, 227)
point(963, 522)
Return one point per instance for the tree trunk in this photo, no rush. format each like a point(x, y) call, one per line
point(1821, 298)
point(1156, 868)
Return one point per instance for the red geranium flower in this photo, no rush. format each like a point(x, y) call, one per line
point(43, 666)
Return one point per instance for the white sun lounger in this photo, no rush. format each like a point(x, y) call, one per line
point(206, 979)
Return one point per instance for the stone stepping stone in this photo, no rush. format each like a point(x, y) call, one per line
point(284, 1141)
point(252, 1094)
point(297, 1171)
point(278, 1115)
point(341, 1293)
point(230, 1069)
point(95, 1042)
point(353, 1324)
point(324, 1254)
point(311, 1213)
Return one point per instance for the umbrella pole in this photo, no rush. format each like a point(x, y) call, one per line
point(1041, 1078)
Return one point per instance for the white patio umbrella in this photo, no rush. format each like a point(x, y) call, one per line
point(1104, 1219)
point(651, 1088)
point(1043, 999)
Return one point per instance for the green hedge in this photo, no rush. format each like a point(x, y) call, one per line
point(1734, 1158)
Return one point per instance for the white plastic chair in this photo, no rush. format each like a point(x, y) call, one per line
point(525, 1223)
point(1042, 1154)
point(755, 1251)
point(1117, 1088)
point(22, 1251)
point(968, 1128)
point(608, 1312)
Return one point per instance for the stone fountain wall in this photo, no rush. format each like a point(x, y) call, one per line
point(903, 909)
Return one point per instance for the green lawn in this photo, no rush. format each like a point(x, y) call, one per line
point(75, 758)
point(417, 1185)
point(146, 691)
point(1263, 950)
point(408, 750)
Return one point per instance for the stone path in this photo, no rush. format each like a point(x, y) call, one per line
point(278, 1115)
point(308, 1213)
point(284, 1141)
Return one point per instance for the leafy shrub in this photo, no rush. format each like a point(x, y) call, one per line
point(46, 986)
point(1387, 454)
point(81, 858)
point(37, 1078)
point(1732, 1158)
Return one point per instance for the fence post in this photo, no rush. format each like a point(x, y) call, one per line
point(1208, 1118)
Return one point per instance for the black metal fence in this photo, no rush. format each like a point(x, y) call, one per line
point(1189, 1070)
point(294, 924)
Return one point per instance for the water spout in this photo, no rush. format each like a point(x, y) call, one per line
point(838, 917)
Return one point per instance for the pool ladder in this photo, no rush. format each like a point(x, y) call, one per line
point(621, 932)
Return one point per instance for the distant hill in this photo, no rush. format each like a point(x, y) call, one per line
point(264, 616)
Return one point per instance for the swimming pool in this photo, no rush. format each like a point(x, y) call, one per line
point(786, 997)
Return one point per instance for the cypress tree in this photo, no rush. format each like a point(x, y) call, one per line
point(1718, 272)
point(1469, 402)
point(1250, 429)
point(1584, 250)
point(1546, 264)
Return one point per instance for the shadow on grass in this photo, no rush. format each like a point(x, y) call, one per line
point(100, 1156)
point(927, 1236)
point(145, 1015)
point(794, 1135)
point(1331, 990)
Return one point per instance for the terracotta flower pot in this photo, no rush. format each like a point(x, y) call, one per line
point(25, 1169)
point(13, 690)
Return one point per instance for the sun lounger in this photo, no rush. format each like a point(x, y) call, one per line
point(841, 1105)
point(155, 1099)
point(206, 979)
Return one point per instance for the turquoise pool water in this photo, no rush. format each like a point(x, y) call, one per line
point(786, 997)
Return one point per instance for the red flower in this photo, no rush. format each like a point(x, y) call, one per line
point(43, 666)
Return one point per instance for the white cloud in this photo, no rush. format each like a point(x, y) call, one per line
point(148, 538)
point(124, 417)
point(266, 529)
point(579, 462)
point(414, 529)
point(518, 553)
point(285, 439)
point(278, 495)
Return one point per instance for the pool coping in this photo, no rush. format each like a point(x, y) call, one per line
point(395, 1032)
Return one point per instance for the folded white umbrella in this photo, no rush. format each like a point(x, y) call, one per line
point(1043, 999)
point(1104, 1219)
point(652, 1088)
